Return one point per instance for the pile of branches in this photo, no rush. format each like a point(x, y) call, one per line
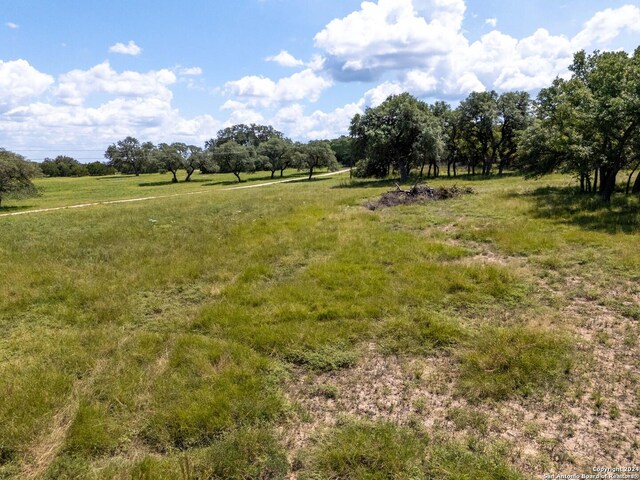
point(416, 194)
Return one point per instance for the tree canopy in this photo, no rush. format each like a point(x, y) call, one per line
point(63, 166)
point(316, 154)
point(246, 135)
point(399, 133)
point(278, 155)
point(128, 155)
point(589, 124)
point(15, 176)
point(231, 157)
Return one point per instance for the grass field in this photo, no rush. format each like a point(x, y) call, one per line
point(289, 332)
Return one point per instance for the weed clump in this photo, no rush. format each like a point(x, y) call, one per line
point(382, 450)
point(502, 362)
point(416, 194)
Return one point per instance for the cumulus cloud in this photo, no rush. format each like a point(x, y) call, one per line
point(190, 71)
point(285, 59)
point(606, 25)
point(317, 125)
point(391, 35)
point(129, 49)
point(259, 90)
point(423, 44)
point(73, 87)
point(19, 81)
point(137, 103)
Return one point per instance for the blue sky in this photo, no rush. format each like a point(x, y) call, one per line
point(77, 76)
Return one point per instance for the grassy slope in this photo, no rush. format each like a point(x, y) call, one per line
point(163, 338)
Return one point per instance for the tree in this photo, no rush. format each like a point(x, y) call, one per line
point(63, 166)
point(317, 154)
point(246, 135)
point(192, 158)
point(514, 111)
point(129, 155)
point(277, 152)
point(588, 125)
point(98, 169)
point(169, 158)
point(15, 176)
point(478, 116)
point(343, 149)
point(394, 134)
point(234, 158)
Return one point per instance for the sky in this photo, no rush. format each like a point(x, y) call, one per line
point(78, 76)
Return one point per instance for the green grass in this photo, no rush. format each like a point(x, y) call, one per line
point(500, 363)
point(372, 451)
point(173, 326)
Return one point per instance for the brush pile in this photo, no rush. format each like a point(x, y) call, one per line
point(416, 194)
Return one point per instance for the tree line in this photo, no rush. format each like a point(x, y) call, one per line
point(237, 149)
point(587, 125)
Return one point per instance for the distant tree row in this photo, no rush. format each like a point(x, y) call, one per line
point(64, 166)
point(237, 149)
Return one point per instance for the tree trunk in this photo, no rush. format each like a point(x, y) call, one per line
point(273, 172)
point(237, 176)
point(175, 178)
point(636, 185)
point(189, 173)
point(310, 172)
point(608, 185)
point(281, 172)
point(630, 177)
point(404, 172)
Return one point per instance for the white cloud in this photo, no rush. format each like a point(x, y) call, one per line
point(137, 103)
point(378, 94)
point(319, 125)
point(258, 90)
point(240, 112)
point(73, 87)
point(12, 25)
point(606, 25)
point(129, 49)
point(285, 59)
point(20, 81)
point(190, 71)
point(391, 35)
point(422, 43)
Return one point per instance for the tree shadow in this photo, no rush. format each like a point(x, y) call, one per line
point(14, 208)
point(158, 184)
point(568, 205)
point(468, 177)
point(307, 179)
point(367, 183)
point(115, 177)
point(169, 182)
point(391, 181)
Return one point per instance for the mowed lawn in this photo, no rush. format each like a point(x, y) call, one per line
point(289, 332)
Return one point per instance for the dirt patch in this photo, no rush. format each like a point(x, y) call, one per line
point(416, 194)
